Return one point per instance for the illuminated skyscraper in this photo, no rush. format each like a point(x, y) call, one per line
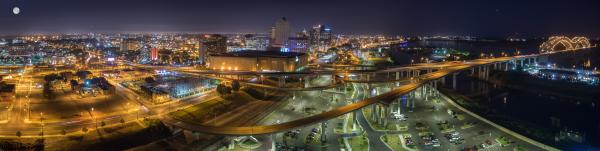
point(256, 42)
point(298, 44)
point(130, 44)
point(280, 32)
point(154, 54)
point(214, 43)
point(211, 44)
point(320, 36)
point(145, 54)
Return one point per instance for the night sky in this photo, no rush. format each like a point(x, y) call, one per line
point(391, 17)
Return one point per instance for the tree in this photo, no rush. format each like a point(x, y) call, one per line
point(220, 89)
point(122, 121)
point(83, 74)
point(227, 90)
point(73, 84)
point(63, 132)
point(19, 134)
point(84, 129)
point(235, 85)
point(149, 80)
point(51, 77)
point(102, 124)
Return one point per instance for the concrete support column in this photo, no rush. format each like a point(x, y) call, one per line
point(378, 117)
point(273, 140)
point(397, 76)
point(323, 134)
point(386, 115)
point(487, 72)
point(332, 79)
point(481, 72)
point(354, 118)
point(305, 81)
point(522, 62)
point(478, 71)
point(506, 66)
point(443, 80)
point(281, 82)
point(413, 103)
point(454, 80)
point(374, 111)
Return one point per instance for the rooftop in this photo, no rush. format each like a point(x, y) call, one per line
point(256, 53)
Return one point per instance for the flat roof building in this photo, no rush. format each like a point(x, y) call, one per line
point(252, 60)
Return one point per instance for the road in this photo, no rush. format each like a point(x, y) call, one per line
point(451, 67)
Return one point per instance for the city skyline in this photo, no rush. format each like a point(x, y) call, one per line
point(476, 18)
point(329, 75)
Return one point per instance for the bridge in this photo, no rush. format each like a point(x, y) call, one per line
point(555, 43)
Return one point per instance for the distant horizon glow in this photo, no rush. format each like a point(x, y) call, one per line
point(386, 17)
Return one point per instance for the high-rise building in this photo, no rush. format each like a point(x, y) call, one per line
point(214, 43)
point(154, 54)
point(130, 44)
point(256, 42)
point(145, 55)
point(280, 32)
point(320, 36)
point(297, 44)
point(211, 44)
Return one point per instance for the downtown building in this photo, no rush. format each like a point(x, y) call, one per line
point(321, 37)
point(256, 42)
point(280, 33)
point(211, 44)
point(130, 44)
point(252, 60)
point(297, 44)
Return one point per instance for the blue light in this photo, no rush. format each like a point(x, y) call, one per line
point(327, 29)
point(284, 49)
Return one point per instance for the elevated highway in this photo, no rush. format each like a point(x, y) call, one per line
point(443, 70)
point(402, 90)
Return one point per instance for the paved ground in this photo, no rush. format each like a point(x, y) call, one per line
point(434, 110)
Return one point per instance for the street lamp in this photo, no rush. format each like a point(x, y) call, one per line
point(42, 121)
point(28, 108)
point(137, 112)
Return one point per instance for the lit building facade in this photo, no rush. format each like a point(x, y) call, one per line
point(256, 42)
point(320, 36)
point(298, 44)
point(211, 44)
point(154, 54)
point(130, 44)
point(214, 43)
point(252, 60)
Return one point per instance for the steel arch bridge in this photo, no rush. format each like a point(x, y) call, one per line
point(566, 42)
